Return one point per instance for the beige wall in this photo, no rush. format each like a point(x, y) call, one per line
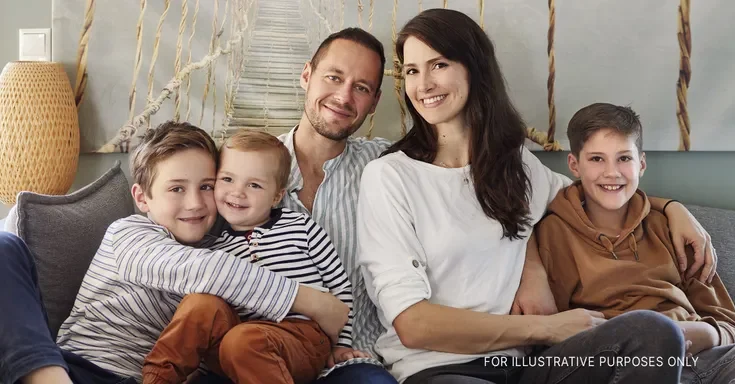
point(698, 177)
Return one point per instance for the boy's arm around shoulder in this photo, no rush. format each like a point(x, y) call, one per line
point(710, 301)
point(147, 255)
point(325, 258)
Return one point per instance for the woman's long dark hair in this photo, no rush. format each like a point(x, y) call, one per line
point(497, 133)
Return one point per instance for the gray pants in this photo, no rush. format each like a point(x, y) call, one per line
point(603, 354)
point(713, 366)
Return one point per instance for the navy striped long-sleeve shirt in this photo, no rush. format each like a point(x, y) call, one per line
point(292, 245)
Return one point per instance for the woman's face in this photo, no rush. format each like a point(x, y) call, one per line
point(437, 87)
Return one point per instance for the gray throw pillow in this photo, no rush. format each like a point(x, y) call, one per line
point(64, 232)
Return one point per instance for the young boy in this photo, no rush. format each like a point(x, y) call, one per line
point(251, 181)
point(143, 269)
point(604, 249)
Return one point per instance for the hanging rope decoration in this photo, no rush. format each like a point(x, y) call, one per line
point(239, 27)
point(359, 13)
point(212, 42)
point(482, 14)
point(138, 55)
point(188, 60)
point(156, 46)
point(214, 73)
point(685, 75)
point(154, 106)
point(177, 61)
point(81, 79)
point(550, 144)
point(397, 79)
point(370, 29)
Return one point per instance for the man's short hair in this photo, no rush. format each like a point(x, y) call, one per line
point(357, 35)
point(161, 143)
point(247, 140)
point(598, 116)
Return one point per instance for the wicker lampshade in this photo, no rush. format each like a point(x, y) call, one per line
point(39, 130)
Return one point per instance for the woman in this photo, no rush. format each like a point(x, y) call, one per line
point(445, 218)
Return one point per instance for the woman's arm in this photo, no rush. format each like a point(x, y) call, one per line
point(446, 329)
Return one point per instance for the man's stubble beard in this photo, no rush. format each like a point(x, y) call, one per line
point(320, 126)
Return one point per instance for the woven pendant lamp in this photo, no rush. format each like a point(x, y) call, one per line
point(39, 130)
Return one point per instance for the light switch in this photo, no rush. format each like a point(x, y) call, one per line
point(34, 44)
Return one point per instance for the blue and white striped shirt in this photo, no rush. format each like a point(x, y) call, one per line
point(136, 280)
point(292, 245)
point(335, 210)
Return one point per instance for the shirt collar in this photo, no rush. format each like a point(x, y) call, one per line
point(295, 180)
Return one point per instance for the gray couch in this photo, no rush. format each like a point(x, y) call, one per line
point(63, 232)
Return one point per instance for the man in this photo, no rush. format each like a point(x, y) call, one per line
point(342, 83)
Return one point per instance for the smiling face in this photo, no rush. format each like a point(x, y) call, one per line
point(609, 167)
point(342, 90)
point(438, 88)
point(181, 196)
point(247, 187)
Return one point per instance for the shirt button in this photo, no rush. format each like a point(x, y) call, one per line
point(254, 257)
point(416, 263)
point(254, 244)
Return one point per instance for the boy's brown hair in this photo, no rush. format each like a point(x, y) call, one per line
point(597, 116)
point(246, 140)
point(161, 143)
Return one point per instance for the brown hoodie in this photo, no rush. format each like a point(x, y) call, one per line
point(636, 270)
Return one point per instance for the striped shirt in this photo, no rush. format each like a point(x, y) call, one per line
point(335, 210)
point(292, 245)
point(137, 278)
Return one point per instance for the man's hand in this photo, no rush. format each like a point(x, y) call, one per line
point(341, 354)
point(569, 323)
point(699, 336)
point(686, 230)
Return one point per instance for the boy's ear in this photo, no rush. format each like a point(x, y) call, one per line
point(140, 198)
point(277, 199)
point(643, 163)
point(573, 164)
point(305, 75)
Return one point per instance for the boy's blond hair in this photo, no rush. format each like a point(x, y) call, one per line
point(246, 140)
point(161, 143)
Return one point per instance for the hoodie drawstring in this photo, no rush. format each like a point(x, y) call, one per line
point(633, 245)
point(608, 245)
point(610, 248)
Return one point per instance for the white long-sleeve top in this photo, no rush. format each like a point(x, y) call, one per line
point(136, 280)
point(422, 235)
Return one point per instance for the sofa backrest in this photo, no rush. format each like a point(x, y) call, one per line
point(64, 232)
point(720, 224)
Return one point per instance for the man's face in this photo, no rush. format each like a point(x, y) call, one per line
point(342, 90)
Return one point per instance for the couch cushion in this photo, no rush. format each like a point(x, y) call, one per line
point(720, 224)
point(64, 232)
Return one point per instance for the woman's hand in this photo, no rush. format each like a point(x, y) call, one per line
point(686, 230)
point(569, 323)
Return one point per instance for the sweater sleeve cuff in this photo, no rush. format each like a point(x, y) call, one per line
point(286, 296)
point(398, 296)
